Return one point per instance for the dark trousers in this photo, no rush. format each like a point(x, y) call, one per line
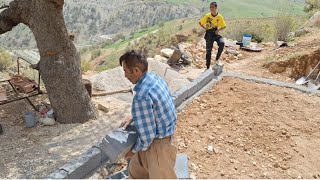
point(210, 37)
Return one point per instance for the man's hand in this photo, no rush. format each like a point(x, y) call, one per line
point(126, 122)
point(217, 32)
point(129, 155)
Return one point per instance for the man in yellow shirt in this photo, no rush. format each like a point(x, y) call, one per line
point(213, 23)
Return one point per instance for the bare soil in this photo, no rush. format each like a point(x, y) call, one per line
point(284, 64)
point(256, 131)
point(36, 152)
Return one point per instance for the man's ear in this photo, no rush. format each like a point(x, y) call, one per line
point(136, 69)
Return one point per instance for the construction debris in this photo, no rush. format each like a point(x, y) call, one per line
point(103, 107)
point(175, 57)
point(112, 92)
point(23, 84)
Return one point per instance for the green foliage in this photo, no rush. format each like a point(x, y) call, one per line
point(95, 53)
point(261, 30)
point(312, 5)
point(151, 40)
point(85, 66)
point(91, 18)
point(284, 25)
point(5, 60)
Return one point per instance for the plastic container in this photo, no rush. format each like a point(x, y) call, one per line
point(50, 114)
point(29, 119)
point(246, 40)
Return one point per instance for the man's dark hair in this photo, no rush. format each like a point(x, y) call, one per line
point(134, 59)
point(214, 4)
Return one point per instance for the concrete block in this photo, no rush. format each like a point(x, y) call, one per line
point(192, 88)
point(104, 157)
point(182, 170)
point(120, 175)
point(103, 107)
point(217, 69)
point(205, 78)
point(59, 174)
point(180, 95)
point(84, 165)
point(118, 143)
point(177, 101)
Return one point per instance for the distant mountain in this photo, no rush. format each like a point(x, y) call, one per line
point(93, 18)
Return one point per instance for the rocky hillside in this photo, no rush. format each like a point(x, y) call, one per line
point(104, 17)
point(88, 20)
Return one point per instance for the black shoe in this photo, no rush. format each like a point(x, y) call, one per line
point(208, 67)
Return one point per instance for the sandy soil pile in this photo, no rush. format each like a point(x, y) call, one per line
point(242, 129)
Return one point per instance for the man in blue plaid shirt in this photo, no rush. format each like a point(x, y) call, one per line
point(154, 115)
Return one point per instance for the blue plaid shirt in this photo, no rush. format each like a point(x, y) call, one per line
point(153, 111)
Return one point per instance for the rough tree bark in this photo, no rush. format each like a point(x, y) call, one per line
point(59, 62)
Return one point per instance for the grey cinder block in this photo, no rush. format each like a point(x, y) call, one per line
point(205, 78)
point(217, 69)
point(192, 88)
point(118, 143)
point(180, 95)
point(85, 165)
point(182, 170)
point(59, 174)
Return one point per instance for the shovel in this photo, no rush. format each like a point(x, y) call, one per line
point(304, 79)
point(312, 84)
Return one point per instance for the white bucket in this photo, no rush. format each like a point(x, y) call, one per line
point(246, 40)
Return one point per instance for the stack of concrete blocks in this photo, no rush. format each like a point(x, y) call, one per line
point(114, 146)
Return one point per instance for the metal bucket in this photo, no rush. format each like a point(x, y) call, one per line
point(29, 119)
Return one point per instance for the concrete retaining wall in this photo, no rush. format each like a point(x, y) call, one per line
point(89, 162)
point(294, 86)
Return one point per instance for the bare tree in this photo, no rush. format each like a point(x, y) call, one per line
point(60, 61)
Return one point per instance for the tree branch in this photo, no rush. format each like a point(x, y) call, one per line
point(4, 6)
point(6, 24)
point(8, 18)
point(58, 3)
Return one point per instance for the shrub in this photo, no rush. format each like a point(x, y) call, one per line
point(5, 60)
point(95, 53)
point(284, 25)
point(259, 29)
point(85, 66)
point(312, 5)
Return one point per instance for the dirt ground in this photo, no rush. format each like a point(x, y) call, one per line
point(36, 152)
point(305, 48)
point(255, 130)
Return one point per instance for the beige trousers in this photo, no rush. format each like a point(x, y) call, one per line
point(157, 162)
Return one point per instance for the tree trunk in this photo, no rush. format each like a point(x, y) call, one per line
point(60, 61)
